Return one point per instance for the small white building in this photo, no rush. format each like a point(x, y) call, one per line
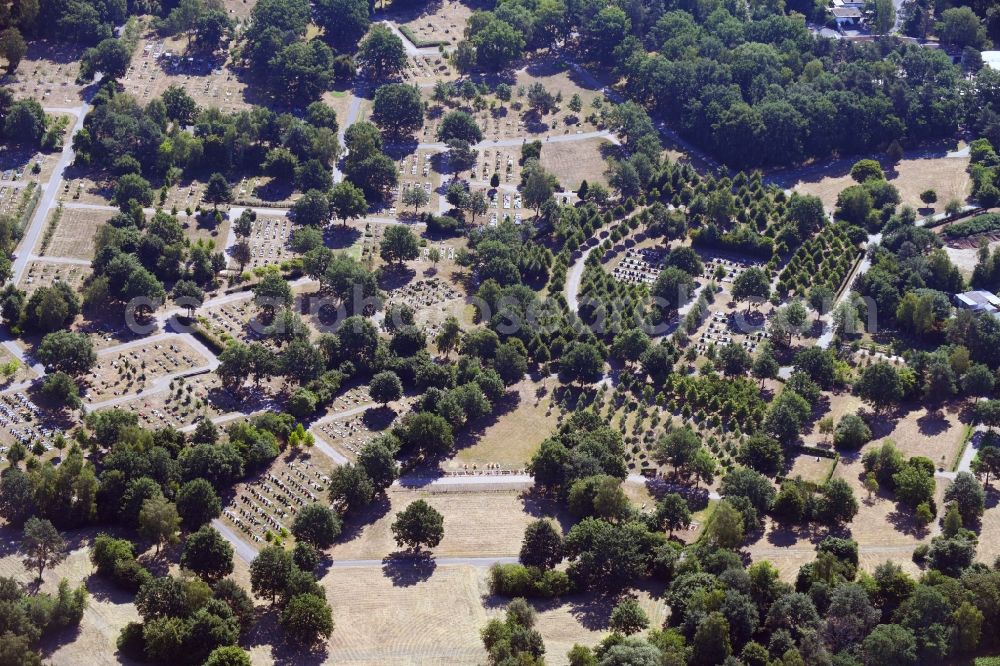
point(851, 4)
point(991, 59)
point(846, 17)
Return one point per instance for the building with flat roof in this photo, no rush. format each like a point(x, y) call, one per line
point(978, 301)
point(846, 16)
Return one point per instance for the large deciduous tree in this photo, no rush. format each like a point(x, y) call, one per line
point(42, 545)
point(398, 109)
point(419, 524)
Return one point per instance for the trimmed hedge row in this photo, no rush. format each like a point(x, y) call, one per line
point(980, 224)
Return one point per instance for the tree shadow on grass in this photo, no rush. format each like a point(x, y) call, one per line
point(406, 569)
point(475, 429)
point(881, 425)
point(399, 147)
point(992, 498)
point(275, 190)
point(53, 640)
point(265, 631)
point(103, 589)
point(340, 236)
point(395, 276)
point(538, 506)
point(359, 519)
point(903, 520)
point(378, 418)
point(933, 423)
point(784, 536)
point(593, 612)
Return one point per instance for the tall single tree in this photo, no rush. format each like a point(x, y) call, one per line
point(42, 544)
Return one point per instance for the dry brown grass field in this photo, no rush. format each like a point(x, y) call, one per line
point(433, 617)
point(407, 621)
point(917, 431)
point(810, 468)
point(108, 610)
point(74, 235)
point(883, 529)
point(989, 534)
point(476, 524)
point(945, 175)
point(557, 77)
point(512, 439)
point(574, 161)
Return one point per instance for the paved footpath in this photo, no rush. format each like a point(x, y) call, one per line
point(34, 230)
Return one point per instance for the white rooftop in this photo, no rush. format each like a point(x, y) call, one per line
point(991, 59)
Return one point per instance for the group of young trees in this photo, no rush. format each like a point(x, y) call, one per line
point(24, 123)
point(720, 608)
point(294, 69)
point(139, 145)
point(30, 617)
